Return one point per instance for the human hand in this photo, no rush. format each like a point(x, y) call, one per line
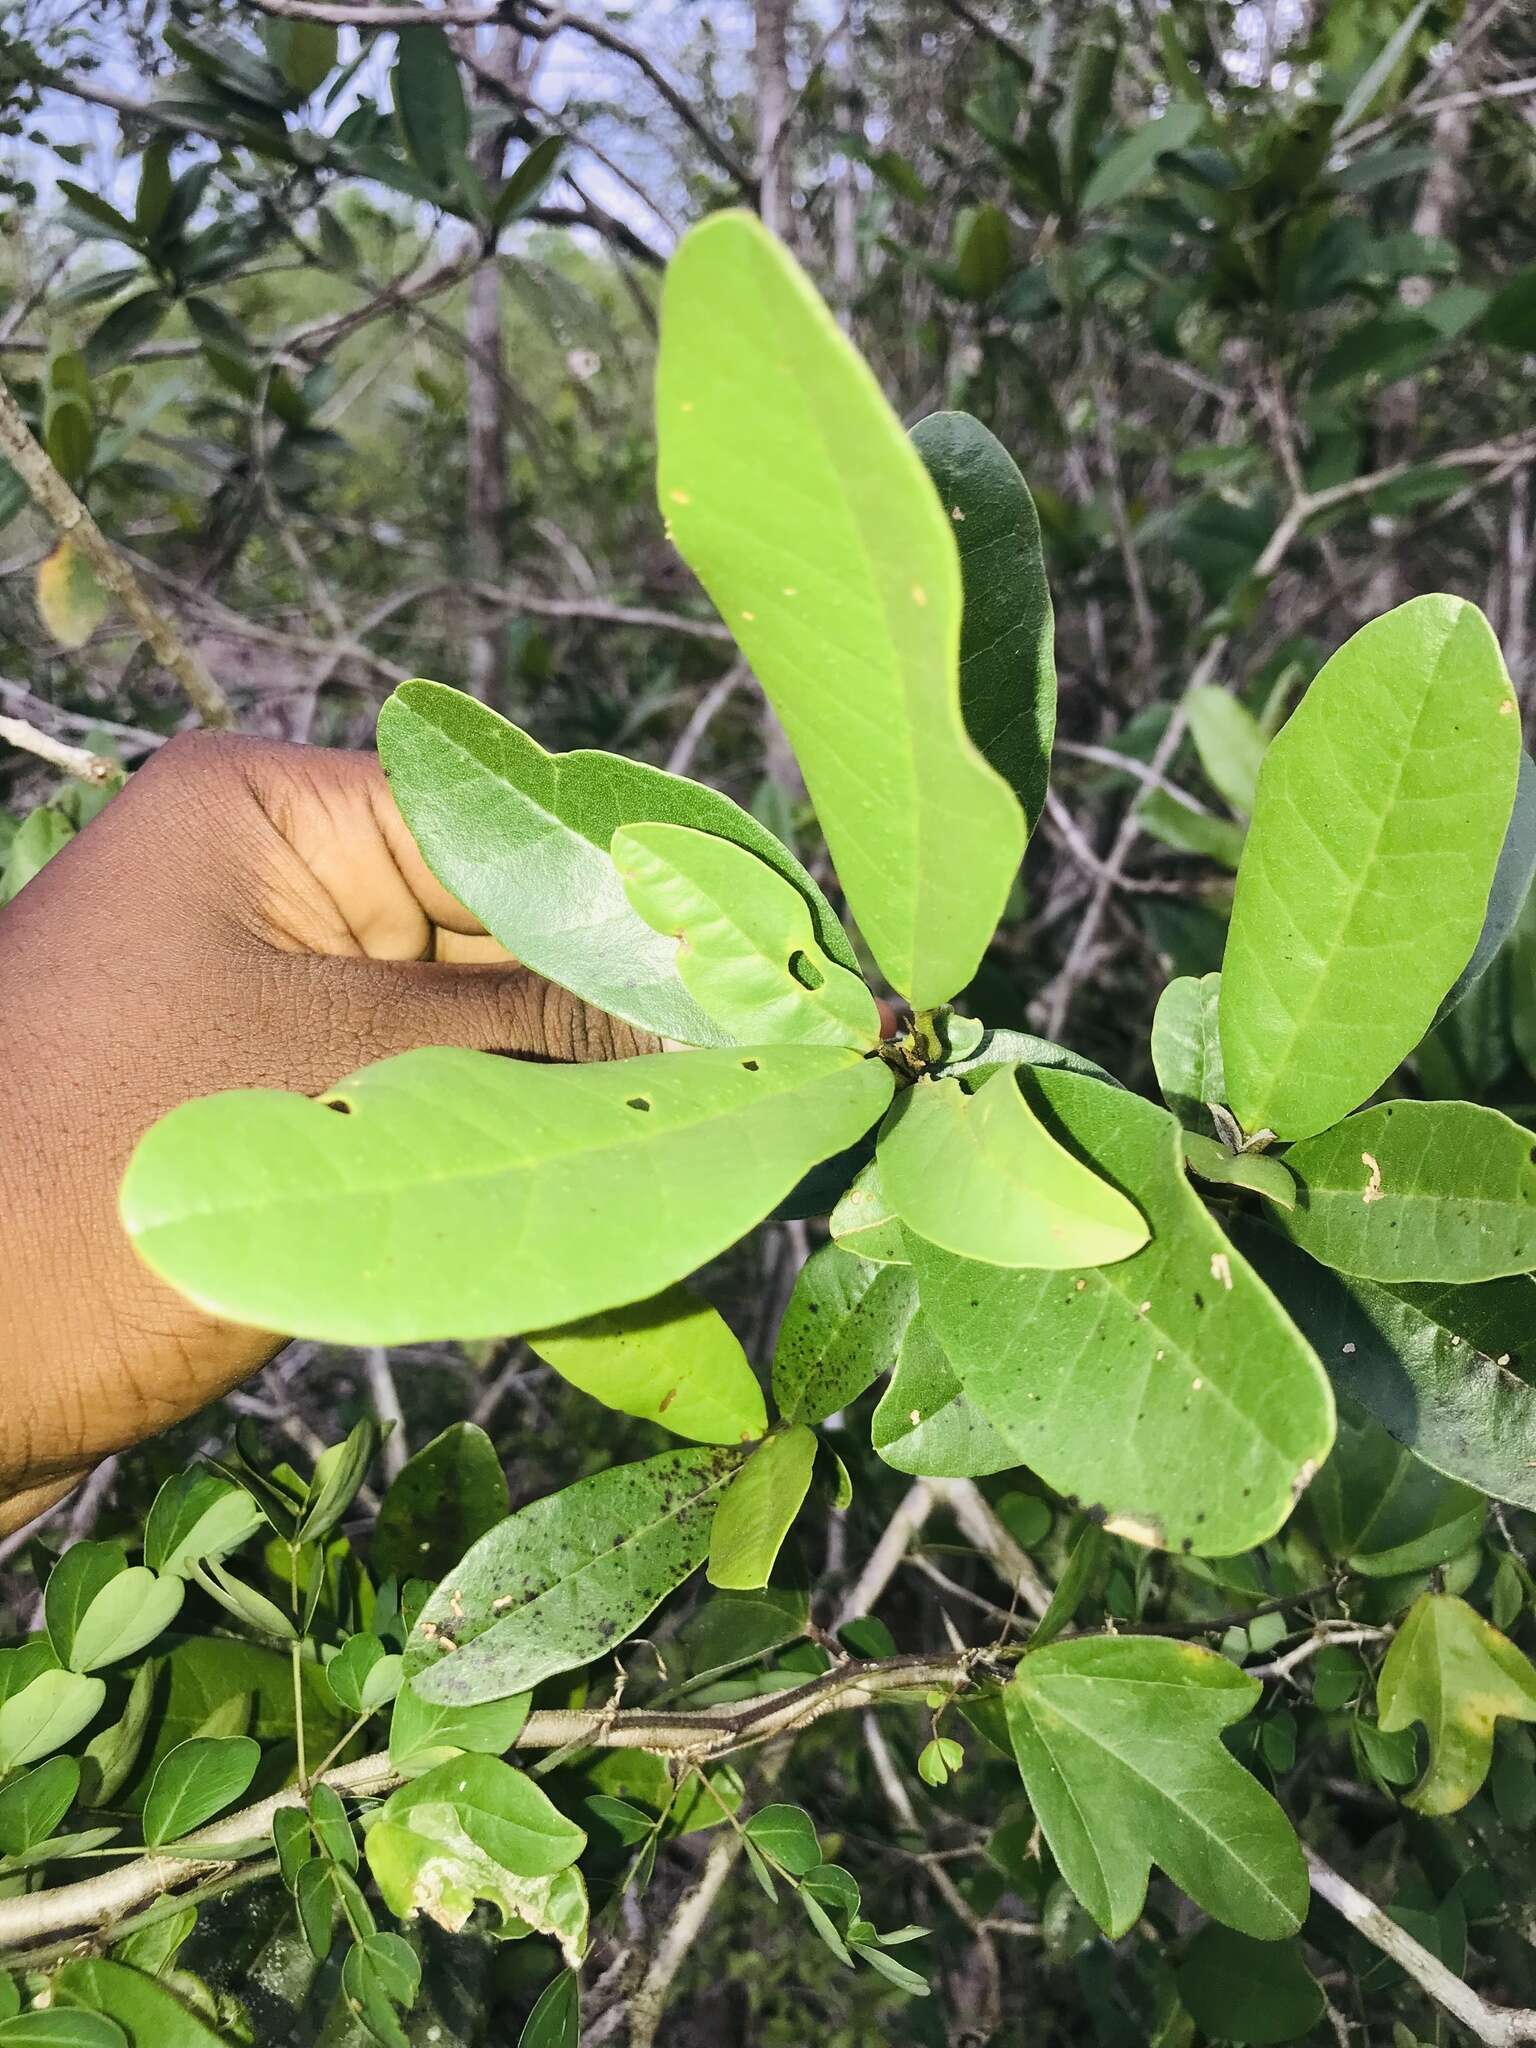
point(245, 914)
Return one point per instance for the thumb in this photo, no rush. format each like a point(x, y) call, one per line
point(336, 1014)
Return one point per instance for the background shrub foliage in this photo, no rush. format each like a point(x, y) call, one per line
point(1110, 1483)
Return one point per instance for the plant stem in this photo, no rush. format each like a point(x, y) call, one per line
point(69, 518)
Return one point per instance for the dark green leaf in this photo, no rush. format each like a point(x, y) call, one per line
point(567, 1578)
point(843, 1327)
point(1256, 1992)
point(443, 1500)
point(429, 101)
point(195, 1781)
point(1119, 1743)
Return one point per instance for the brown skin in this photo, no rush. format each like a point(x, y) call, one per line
point(244, 914)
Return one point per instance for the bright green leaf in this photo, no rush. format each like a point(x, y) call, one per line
point(99, 1609)
point(51, 2027)
point(337, 1476)
point(567, 1578)
point(746, 951)
point(757, 1508)
point(1454, 1672)
point(1118, 1740)
point(470, 1827)
point(1418, 1191)
point(672, 1360)
point(788, 1835)
point(424, 1733)
point(275, 1210)
point(791, 491)
point(1230, 743)
point(522, 839)
point(1389, 787)
point(363, 1674)
point(196, 1515)
point(1171, 1388)
point(32, 1805)
point(1007, 631)
point(979, 1175)
point(864, 1223)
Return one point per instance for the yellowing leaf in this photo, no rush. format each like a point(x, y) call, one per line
point(757, 1508)
point(1453, 1671)
point(672, 1360)
point(71, 600)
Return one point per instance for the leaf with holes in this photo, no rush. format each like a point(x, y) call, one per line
point(746, 951)
point(1008, 628)
point(521, 838)
point(791, 491)
point(1454, 1672)
point(465, 1196)
point(1171, 1388)
point(672, 1360)
point(757, 1508)
point(1389, 788)
point(566, 1578)
point(1418, 1191)
point(981, 1176)
point(1118, 1740)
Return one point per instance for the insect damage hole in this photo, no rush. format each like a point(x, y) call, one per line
point(341, 1108)
point(805, 971)
point(638, 1102)
point(751, 1066)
